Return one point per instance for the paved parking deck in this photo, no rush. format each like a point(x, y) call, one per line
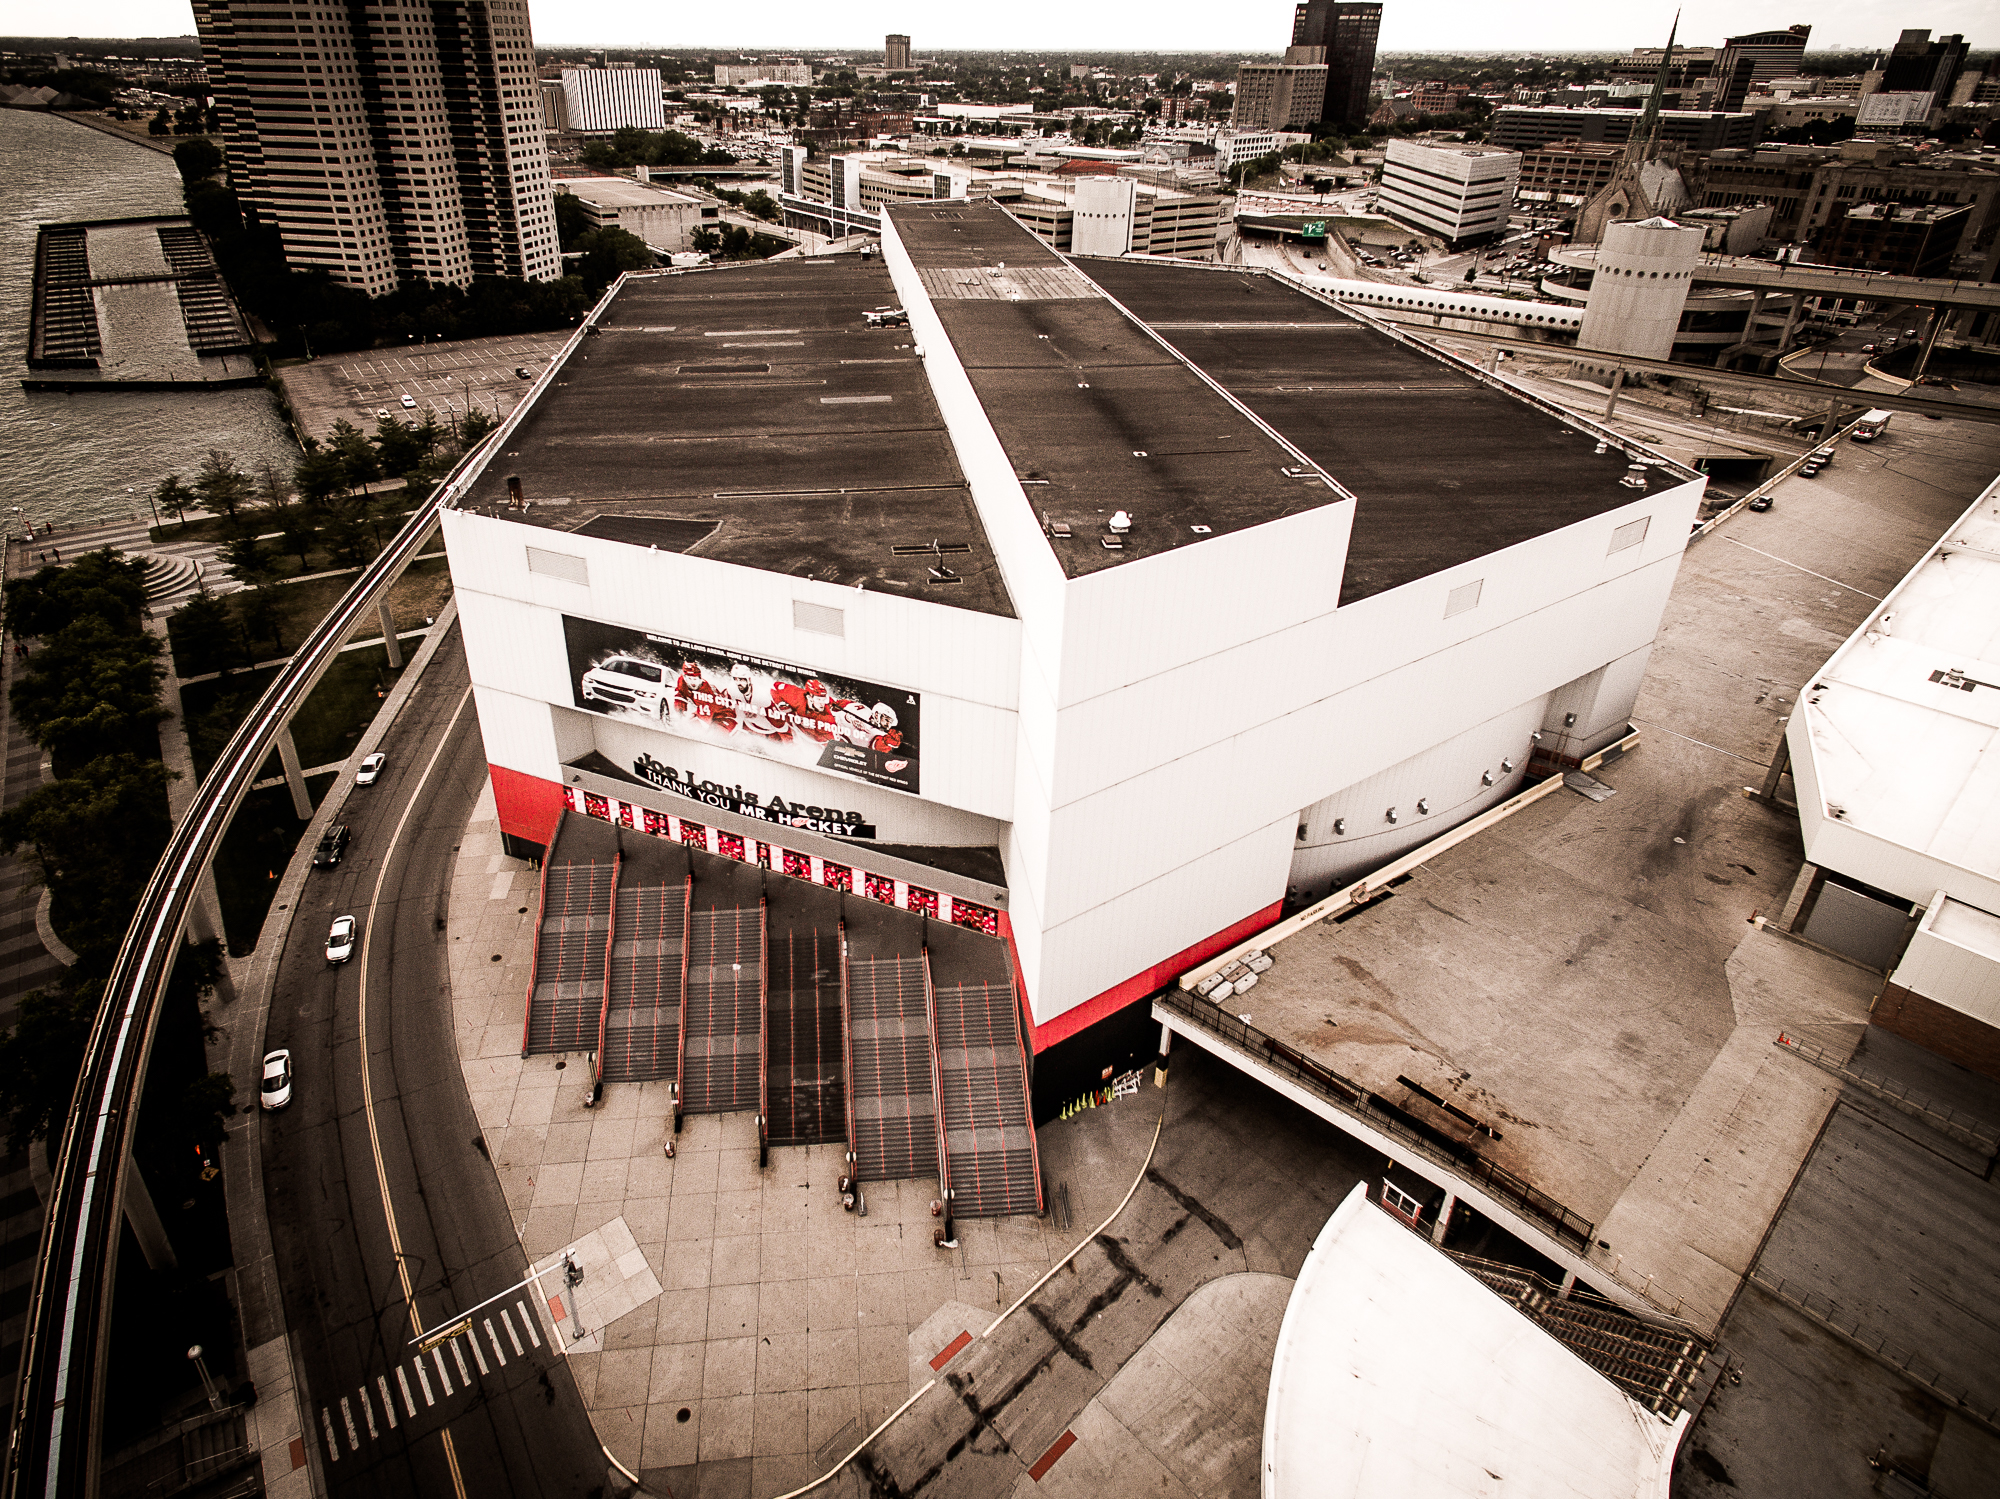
point(440, 377)
point(1583, 976)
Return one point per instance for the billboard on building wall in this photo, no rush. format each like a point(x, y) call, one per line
point(771, 709)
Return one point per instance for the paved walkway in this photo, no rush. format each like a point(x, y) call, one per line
point(785, 1329)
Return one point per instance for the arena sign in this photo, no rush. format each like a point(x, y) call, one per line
point(774, 809)
point(767, 708)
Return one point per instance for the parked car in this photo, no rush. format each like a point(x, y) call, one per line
point(340, 939)
point(332, 844)
point(1761, 503)
point(276, 1090)
point(383, 413)
point(409, 403)
point(370, 769)
point(524, 372)
point(1868, 348)
point(1809, 471)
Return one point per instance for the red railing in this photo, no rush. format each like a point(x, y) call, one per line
point(681, 1042)
point(1027, 1094)
point(541, 915)
point(610, 939)
point(937, 1090)
point(847, 1057)
point(763, 1031)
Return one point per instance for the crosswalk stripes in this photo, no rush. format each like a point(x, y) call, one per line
point(469, 1337)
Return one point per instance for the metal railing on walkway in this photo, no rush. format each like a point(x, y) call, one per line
point(1964, 1128)
point(1352, 1098)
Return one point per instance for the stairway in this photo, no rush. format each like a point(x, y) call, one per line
point(806, 1092)
point(989, 1142)
point(642, 1018)
point(895, 1113)
point(566, 1002)
point(722, 1044)
point(1656, 1363)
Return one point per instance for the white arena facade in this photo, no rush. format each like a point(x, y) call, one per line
point(1106, 608)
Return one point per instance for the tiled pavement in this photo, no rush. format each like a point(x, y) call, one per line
point(25, 965)
point(786, 1328)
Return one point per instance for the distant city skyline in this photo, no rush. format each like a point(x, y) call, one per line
point(1262, 27)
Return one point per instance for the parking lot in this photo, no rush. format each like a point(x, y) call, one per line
point(442, 378)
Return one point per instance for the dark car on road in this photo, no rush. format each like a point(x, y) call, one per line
point(332, 844)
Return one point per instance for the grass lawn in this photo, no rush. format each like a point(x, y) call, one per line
point(253, 855)
point(420, 594)
point(326, 727)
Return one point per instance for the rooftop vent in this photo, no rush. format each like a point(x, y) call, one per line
point(1121, 522)
point(1635, 476)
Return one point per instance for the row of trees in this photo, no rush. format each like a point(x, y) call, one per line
point(89, 695)
point(190, 119)
point(633, 147)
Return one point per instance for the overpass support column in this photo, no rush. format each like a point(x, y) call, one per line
point(288, 756)
point(1617, 384)
point(1444, 1219)
point(1930, 342)
point(1791, 323)
point(145, 1220)
point(204, 924)
point(389, 633)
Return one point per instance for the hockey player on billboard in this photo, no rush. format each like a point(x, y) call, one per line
point(767, 708)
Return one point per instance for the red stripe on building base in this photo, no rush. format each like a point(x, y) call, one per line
point(528, 806)
point(951, 1350)
point(1151, 979)
point(1047, 1460)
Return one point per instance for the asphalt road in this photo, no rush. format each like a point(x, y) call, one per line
point(382, 1206)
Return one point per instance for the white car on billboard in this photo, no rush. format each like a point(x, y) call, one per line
point(628, 682)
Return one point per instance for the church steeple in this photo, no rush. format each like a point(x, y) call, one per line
point(1648, 129)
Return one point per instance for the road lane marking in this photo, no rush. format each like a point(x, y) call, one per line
point(512, 1336)
point(423, 1382)
point(528, 1322)
point(388, 1400)
point(477, 1357)
point(498, 1352)
point(347, 1415)
point(409, 1405)
point(368, 1415)
point(368, 1076)
point(458, 1357)
point(332, 1446)
point(443, 1377)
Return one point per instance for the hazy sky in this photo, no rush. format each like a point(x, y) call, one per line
point(1260, 25)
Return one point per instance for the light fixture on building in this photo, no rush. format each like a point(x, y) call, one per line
point(1486, 778)
point(1339, 826)
point(1569, 720)
point(1423, 806)
point(1392, 814)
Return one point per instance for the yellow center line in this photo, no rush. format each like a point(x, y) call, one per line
point(367, 1077)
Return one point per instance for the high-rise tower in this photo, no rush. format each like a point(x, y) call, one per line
point(387, 142)
point(895, 52)
point(1343, 37)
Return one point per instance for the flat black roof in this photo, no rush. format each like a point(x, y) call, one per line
point(749, 415)
point(1443, 467)
point(1094, 413)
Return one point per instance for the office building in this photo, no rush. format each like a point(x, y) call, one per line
point(1279, 96)
point(785, 70)
point(1918, 65)
point(1343, 37)
point(1772, 54)
point(1893, 239)
point(664, 219)
point(601, 100)
point(1520, 128)
point(388, 146)
point(1566, 174)
point(1461, 194)
point(896, 53)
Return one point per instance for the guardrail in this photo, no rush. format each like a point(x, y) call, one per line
point(1969, 1130)
point(1352, 1098)
point(53, 1439)
point(1774, 481)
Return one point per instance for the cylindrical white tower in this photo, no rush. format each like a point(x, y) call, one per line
point(1644, 269)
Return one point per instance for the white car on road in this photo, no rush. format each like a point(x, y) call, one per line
point(276, 1091)
point(409, 403)
point(340, 940)
point(371, 767)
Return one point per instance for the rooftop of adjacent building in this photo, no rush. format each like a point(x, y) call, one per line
point(1905, 717)
point(623, 192)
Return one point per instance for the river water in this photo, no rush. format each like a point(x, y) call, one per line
point(71, 458)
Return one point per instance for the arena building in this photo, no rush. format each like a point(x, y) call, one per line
point(1105, 606)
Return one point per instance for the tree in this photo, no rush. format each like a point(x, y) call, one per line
point(245, 559)
point(40, 1058)
point(98, 585)
point(223, 487)
point(94, 835)
point(163, 123)
point(475, 426)
point(199, 161)
point(761, 204)
point(572, 219)
point(321, 475)
point(175, 499)
point(204, 636)
point(397, 442)
point(607, 252)
point(90, 687)
point(705, 240)
point(263, 617)
point(358, 458)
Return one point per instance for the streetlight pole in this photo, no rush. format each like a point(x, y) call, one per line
point(207, 1384)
